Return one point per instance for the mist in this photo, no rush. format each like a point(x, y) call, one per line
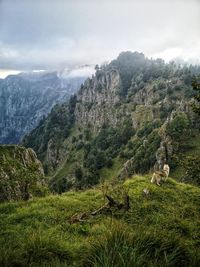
point(47, 34)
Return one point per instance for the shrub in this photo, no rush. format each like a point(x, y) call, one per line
point(178, 126)
point(79, 145)
point(191, 166)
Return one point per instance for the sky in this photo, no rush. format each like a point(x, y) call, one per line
point(57, 34)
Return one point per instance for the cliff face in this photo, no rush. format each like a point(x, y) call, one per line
point(26, 98)
point(97, 98)
point(20, 172)
point(119, 113)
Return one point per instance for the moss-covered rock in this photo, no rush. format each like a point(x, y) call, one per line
point(21, 173)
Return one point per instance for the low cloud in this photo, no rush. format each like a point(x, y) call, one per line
point(49, 34)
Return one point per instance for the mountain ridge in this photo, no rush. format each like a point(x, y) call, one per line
point(27, 97)
point(129, 110)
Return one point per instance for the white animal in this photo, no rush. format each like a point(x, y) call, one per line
point(158, 176)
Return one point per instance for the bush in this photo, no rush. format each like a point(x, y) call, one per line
point(106, 145)
point(148, 128)
point(79, 145)
point(161, 85)
point(143, 152)
point(191, 166)
point(177, 127)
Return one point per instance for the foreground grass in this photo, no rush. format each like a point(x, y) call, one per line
point(161, 229)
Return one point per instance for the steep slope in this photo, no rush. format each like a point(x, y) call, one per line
point(134, 111)
point(21, 173)
point(27, 97)
point(159, 229)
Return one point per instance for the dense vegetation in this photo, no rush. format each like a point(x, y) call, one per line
point(196, 87)
point(56, 127)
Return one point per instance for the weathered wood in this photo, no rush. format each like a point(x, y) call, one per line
point(100, 210)
point(112, 202)
point(83, 216)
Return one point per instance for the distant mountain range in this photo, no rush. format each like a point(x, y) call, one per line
point(27, 97)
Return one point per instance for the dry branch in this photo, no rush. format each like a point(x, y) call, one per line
point(83, 216)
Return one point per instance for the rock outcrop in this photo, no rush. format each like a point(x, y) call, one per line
point(165, 151)
point(20, 173)
point(97, 99)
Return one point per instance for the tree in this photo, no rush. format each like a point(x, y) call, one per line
point(96, 67)
point(78, 173)
point(177, 127)
point(196, 87)
point(191, 166)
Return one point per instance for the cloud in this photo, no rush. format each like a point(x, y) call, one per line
point(47, 34)
point(83, 71)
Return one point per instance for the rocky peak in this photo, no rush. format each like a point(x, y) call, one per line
point(97, 98)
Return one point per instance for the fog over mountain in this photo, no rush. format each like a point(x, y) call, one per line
point(29, 96)
point(51, 34)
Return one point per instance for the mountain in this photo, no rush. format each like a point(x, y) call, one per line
point(21, 173)
point(28, 97)
point(132, 116)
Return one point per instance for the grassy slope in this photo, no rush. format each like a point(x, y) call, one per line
point(37, 232)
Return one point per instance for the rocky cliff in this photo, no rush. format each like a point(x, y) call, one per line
point(26, 98)
point(21, 173)
point(126, 113)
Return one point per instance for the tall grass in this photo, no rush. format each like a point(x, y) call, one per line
point(159, 230)
point(122, 247)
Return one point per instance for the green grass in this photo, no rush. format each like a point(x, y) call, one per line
point(162, 229)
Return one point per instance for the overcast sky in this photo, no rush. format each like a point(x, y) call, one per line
point(51, 34)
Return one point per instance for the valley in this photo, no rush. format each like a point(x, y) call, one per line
point(26, 98)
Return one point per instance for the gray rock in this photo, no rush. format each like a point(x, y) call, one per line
point(26, 99)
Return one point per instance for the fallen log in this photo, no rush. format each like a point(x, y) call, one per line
point(83, 216)
point(101, 210)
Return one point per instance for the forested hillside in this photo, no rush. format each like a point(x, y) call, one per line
point(132, 116)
